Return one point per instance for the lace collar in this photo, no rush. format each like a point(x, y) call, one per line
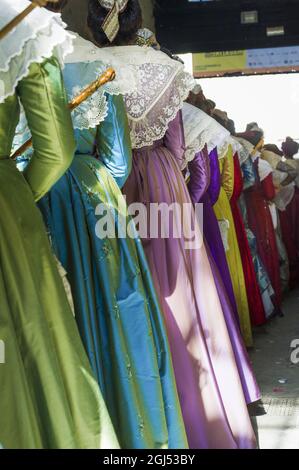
point(83, 66)
point(246, 150)
point(100, 58)
point(264, 168)
point(39, 36)
point(236, 146)
point(200, 129)
point(162, 87)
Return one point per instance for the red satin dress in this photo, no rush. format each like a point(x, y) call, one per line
point(261, 224)
point(256, 307)
point(288, 223)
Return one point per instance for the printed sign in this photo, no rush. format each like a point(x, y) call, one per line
point(280, 59)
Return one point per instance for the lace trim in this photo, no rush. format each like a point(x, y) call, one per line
point(245, 150)
point(96, 60)
point(153, 85)
point(159, 98)
point(91, 112)
point(286, 193)
point(264, 169)
point(86, 52)
point(236, 146)
point(195, 147)
point(45, 42)
point(196, 131)
point(201, 129)
point(284, 197)
point(28, 29)
point(162, 87)
point(223, 149)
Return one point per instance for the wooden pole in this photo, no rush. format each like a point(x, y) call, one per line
point(19, 18)
point(106, 77)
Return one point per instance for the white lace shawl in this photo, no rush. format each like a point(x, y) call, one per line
point(271, 158)
point(94, 61)
point(200, 129)
point(162, 87)
point(294, 163)
point(286, 193)
point(245, 150)
point(264, 169)
point(39, 36)
point(236, 146)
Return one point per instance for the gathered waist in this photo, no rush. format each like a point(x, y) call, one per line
point(157, 144)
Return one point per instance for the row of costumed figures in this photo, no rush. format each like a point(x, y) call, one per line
point(133, 342)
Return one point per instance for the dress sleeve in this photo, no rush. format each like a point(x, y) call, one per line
point(199, 169)
point(113, 141)
point(268, 188)
point(174, 139)
point(44, 100)
point(215, 182)
point(227, 178)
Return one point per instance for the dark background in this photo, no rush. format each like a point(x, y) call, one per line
point(216, 25)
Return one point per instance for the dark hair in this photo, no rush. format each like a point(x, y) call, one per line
point(221, 121)
point(290, 147)
point(254, 137)
point(57, 6)
point(273, 148)
point(130, 22)
point(230, 126)
point(171, 55)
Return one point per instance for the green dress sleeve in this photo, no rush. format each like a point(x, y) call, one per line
point(44, 100)
point(114, 142)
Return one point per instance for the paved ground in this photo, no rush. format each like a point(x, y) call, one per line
point(277, 420)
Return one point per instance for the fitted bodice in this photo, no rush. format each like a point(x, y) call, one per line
point(101, 123)
point(42, 95)
point(9, 117)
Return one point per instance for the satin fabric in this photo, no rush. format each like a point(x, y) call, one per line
point(200, 179)
point(223, 212)
point(266, 290)
point(116, 308)
point(49, 397)
point(209, 385)
point(204, 187)
point(255, 302)
point(261, 224)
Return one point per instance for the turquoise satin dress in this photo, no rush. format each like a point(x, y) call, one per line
point(116, 307)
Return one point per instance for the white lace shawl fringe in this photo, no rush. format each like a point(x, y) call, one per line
point(45, 41)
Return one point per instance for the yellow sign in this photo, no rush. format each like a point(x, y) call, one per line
point(219, 62)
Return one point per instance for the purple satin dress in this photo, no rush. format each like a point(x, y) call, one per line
point(207, 377)
point(204, 187)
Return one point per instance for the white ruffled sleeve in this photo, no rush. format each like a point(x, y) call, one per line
point(39, 36)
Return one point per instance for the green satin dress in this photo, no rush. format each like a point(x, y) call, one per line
point(49, 397)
